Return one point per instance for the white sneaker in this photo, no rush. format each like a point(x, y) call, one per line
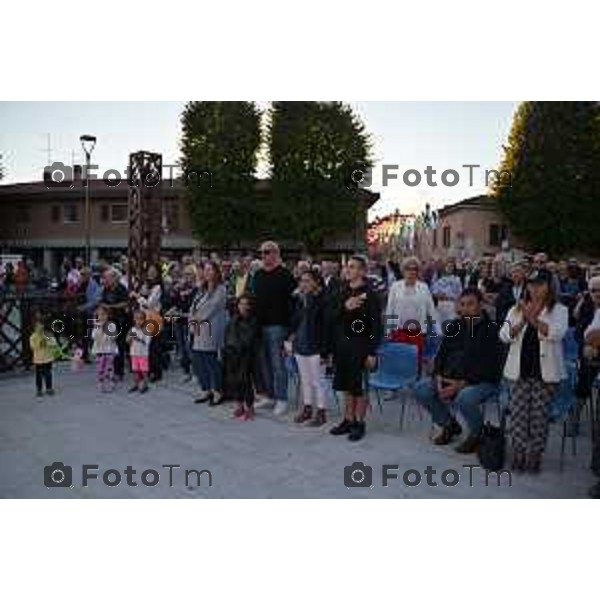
point(280, 408)
point(263, 402)
point(200, 395)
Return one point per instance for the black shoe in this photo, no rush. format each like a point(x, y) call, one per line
point(342, 428)
point(469, 446)
point(143, 388)
point(357, 431)
point(50, 392)
point(133, 388)
point(39, 393)
point(454, 427)
point(595, 491)
point(447, 433)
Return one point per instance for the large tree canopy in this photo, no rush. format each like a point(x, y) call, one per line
point(314, 148)
point(553, 155)
point(222, 138)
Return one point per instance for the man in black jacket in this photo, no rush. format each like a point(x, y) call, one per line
point(466, 373)
point(273, 288)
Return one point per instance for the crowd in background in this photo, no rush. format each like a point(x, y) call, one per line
point(234, 326)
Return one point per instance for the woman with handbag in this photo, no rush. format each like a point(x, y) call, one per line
point(534, 329)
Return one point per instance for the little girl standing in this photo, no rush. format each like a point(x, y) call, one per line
point(104, 347)
point(42, 344)
point(139, 349)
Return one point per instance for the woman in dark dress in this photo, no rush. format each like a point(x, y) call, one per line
point(357, 333)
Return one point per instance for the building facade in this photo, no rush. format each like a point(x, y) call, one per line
point(48, 224)
point(468, 229)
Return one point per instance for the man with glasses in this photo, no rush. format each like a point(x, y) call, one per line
point(273, 288)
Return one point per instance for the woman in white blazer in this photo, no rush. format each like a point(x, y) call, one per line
point(410, 308)
point(534, 329)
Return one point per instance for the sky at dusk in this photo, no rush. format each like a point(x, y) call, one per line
point(412, 135)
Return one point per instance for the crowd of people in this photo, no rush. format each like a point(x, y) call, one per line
point(240, 327)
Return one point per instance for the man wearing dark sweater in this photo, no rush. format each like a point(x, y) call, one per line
point(466, 373)
point(273, 289)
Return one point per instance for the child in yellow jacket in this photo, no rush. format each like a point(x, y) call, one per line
point(42, 345)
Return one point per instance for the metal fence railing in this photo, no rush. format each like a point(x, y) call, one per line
point(60, 311)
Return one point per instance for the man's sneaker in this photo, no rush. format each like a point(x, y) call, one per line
point(133, 388)
point(469, 446)
point(443, 436)
point(447, 433)
point(201, 396)
point(304, 415)
point(455, 428)
point(263, 402)
point(144, 388)
point(50, 392)
point(186, 378)
point(39, 393)
point(216, 398)
point(342, 428)
point(357, 431)
point(280, 408)
point(319, 419)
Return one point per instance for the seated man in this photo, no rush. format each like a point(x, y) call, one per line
point(466, 373)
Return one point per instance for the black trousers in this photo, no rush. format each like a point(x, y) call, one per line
point(121, 357)
point(155, 358)
point(43, 374)
point(237, 377)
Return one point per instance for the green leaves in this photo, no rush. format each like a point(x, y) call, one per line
point(222, 138)
point(314, 147)
point(553, 155)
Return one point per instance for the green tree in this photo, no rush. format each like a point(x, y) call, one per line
point(314, 148)
point(222, 138)
point(553, 157)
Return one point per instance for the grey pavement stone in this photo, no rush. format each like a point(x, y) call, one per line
point(267, 458)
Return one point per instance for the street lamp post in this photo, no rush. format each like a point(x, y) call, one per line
point(88, 143)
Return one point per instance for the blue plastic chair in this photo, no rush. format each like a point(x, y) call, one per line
point(397, 370)
point(432, 345)
point(570, 346)
point(562, 410)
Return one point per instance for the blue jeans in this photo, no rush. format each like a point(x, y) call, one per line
point(182, 340)
point(468, 402)
point(207, 370)
point(272, 361)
